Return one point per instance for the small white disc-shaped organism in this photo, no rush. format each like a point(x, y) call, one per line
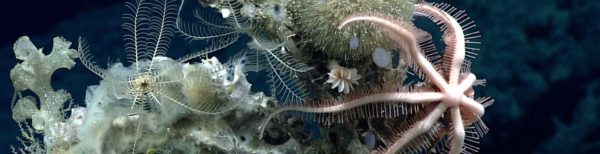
point(354, 42)
point(382, 57)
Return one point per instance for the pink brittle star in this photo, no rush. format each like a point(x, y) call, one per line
point(454, 84)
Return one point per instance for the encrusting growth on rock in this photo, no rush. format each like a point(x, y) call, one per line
point(329, 62)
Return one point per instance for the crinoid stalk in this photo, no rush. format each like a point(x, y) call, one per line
point(449, 115)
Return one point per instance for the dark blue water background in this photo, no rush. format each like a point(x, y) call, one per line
point(541, 60)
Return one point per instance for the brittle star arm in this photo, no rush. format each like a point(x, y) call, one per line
point(406, 35)
point(454, 37)
point(468, 102)
point(458, 138)
point(467, 83)
point(473, 106)
point(418, 128)
point(404, 97)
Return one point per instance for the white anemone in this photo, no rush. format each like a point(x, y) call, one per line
point(341, 77)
